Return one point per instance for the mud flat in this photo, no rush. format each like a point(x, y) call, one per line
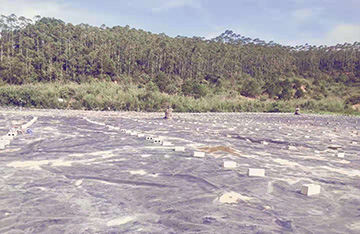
point(80, 172)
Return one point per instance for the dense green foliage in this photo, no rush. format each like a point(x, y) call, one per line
point(110, 96)
point(50, 51)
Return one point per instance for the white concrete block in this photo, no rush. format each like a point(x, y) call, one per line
point(6, 137)
point(265, 143)
point(5, 142)
point(307, 136)
point(292, 147)
point(128, 132)
point(230, 164)
point(310, 189)
point(199, 154)
point(133, 134)
point(179, 149)
point(166, 143)
point(140, 135)
point(2, 146)
point(256, 172)
point(341, 155)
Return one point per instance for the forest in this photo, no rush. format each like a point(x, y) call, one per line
point(121, 68)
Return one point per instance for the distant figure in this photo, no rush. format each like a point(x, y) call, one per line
point(168, 113)
point(297, 111)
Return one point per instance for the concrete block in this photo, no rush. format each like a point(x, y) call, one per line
point(310, 189)
point(133, 134)
point(5, 142)
point(199, 154)
point(307, 136)
point(166, 143)
point(6, 137)
point(264, 143)
point(179, 149)
point(292, 147)
point(128, 132)
point(140, 135)
point(2, 146)
point(256, 172)
point(230, 164)
point(341, 155)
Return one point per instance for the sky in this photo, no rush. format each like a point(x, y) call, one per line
point(288, 22)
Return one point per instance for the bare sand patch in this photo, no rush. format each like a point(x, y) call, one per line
point(119, 221)
point(233, 197)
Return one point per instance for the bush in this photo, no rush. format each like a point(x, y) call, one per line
point(107, 95)
point(251, 88)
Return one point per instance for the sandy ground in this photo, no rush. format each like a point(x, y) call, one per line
point(79, 172)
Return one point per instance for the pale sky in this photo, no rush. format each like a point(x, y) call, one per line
point(289, 22)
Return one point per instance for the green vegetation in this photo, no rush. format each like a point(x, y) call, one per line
point(110, 96)
point(120, 68)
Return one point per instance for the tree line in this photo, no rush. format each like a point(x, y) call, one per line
point(50, 50)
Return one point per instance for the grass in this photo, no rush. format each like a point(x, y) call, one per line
point(110, 96)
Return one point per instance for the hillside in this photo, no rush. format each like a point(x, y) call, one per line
point(50, 53)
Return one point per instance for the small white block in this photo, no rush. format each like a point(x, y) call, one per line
point(341, 155)
point(265, 142)
point(179, 149)
point(199, 154)
point(310, 189)
point(166, 143)
point(354, 142)
point(7, 137)
point(292, 147)
point(133, 134)
point(256, 172)
point(230, 164)
point(307, 136)
point(140, 135)
point(5, 142)
point(128, 132)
